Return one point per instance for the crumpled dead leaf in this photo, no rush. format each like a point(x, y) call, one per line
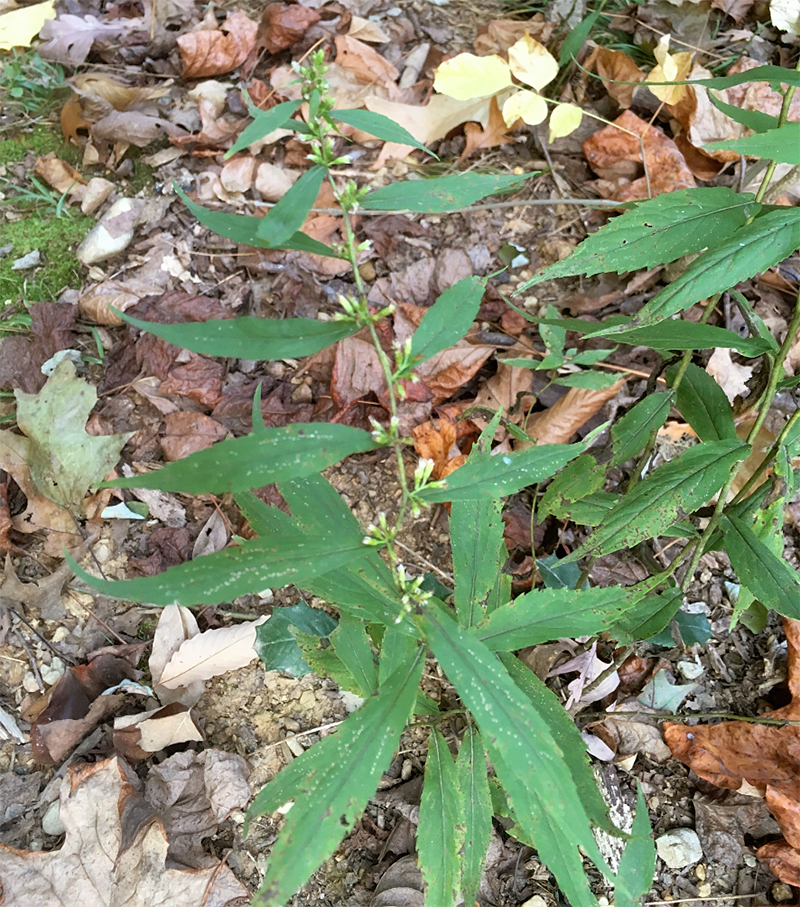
point(614, 66)
point(615, 154)
point(732, 753)
point(68, 39)
point(114, 854)
point(284, 24)
point(187, 432)
point(211, 52)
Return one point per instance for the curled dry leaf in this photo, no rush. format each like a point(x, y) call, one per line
point(615, 154)
point(213, 52)
point(437, 441)
point(138, 736)
point(114, 852)
point(367, 64)
point(209, 654)
point(559, 423)
point(283, 24)
point(614, 66)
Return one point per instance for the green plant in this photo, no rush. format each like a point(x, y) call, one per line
point(30, 83)
point(540, 778)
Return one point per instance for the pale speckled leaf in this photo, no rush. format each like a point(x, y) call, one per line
point(331, 784)
point(440, 832)
point(473, 783)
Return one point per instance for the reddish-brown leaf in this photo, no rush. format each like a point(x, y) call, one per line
point(213, 52)
point(188, 432)
point(283, 24)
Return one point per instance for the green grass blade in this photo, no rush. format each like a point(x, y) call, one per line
point(473, 785)
point(248, 337)
point(337, 787)
point(656, 231)
point(441, 825)
point(238, 464)
point(682, 485)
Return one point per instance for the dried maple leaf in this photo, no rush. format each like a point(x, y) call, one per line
point(114, 853)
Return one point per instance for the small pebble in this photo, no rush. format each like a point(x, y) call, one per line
point(679, 847)
point(51, 821)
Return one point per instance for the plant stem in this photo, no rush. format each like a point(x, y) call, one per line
point(769, 396)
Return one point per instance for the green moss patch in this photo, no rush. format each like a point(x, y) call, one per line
point(56, 238)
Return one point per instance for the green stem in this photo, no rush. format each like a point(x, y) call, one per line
point(769, 396)
point(782, 118)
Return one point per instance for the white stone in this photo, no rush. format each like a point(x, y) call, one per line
point(679, 847)
point(112, 234)
point(51, 820)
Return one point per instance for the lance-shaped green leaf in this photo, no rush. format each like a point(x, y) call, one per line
point(637, 868)
point(441, 825)
point(264, 122)
point(777, 76)
point(648, 616)
point(248, 337)
point(770, 578)
point(440, 194)
point(276, 645)
point(782, 145)
point(703, 404)
point(504, 474)
point(656, 231)
point(449, 318)
point(289, 214)
point(380, 126)
point(572, 44)
point(753, 119)
point(473, 786)
point(630, 434)
point(683, 484)
point(272, 455)
point(750, 250)
point(531, 761)
point(476, 537)
point(331, 788)
point(690, 335)
point(577, 480)
point(545, 614)
point(222, 576)
point(352, 646)
point(242, 228)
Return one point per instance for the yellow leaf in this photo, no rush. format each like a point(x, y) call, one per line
point(468, 76)
point(671, 67)
point(19, 27)
point(564, 119)
point(532, 63)
point(525, 105)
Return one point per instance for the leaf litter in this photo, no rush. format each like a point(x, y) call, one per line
point(173, 402)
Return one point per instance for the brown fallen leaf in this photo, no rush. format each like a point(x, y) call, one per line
point(494, 133)
point(62, 176)
point(283, 24)
point(448, 371)
point(115, 852)
point(188, 432)
point(217, 51)
point(615, 154)
point(136, 737)
point(559, 423)
point(500, 34)
point(614, 66)
point(437, 441)
point(367, 64)
point(765, 757)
